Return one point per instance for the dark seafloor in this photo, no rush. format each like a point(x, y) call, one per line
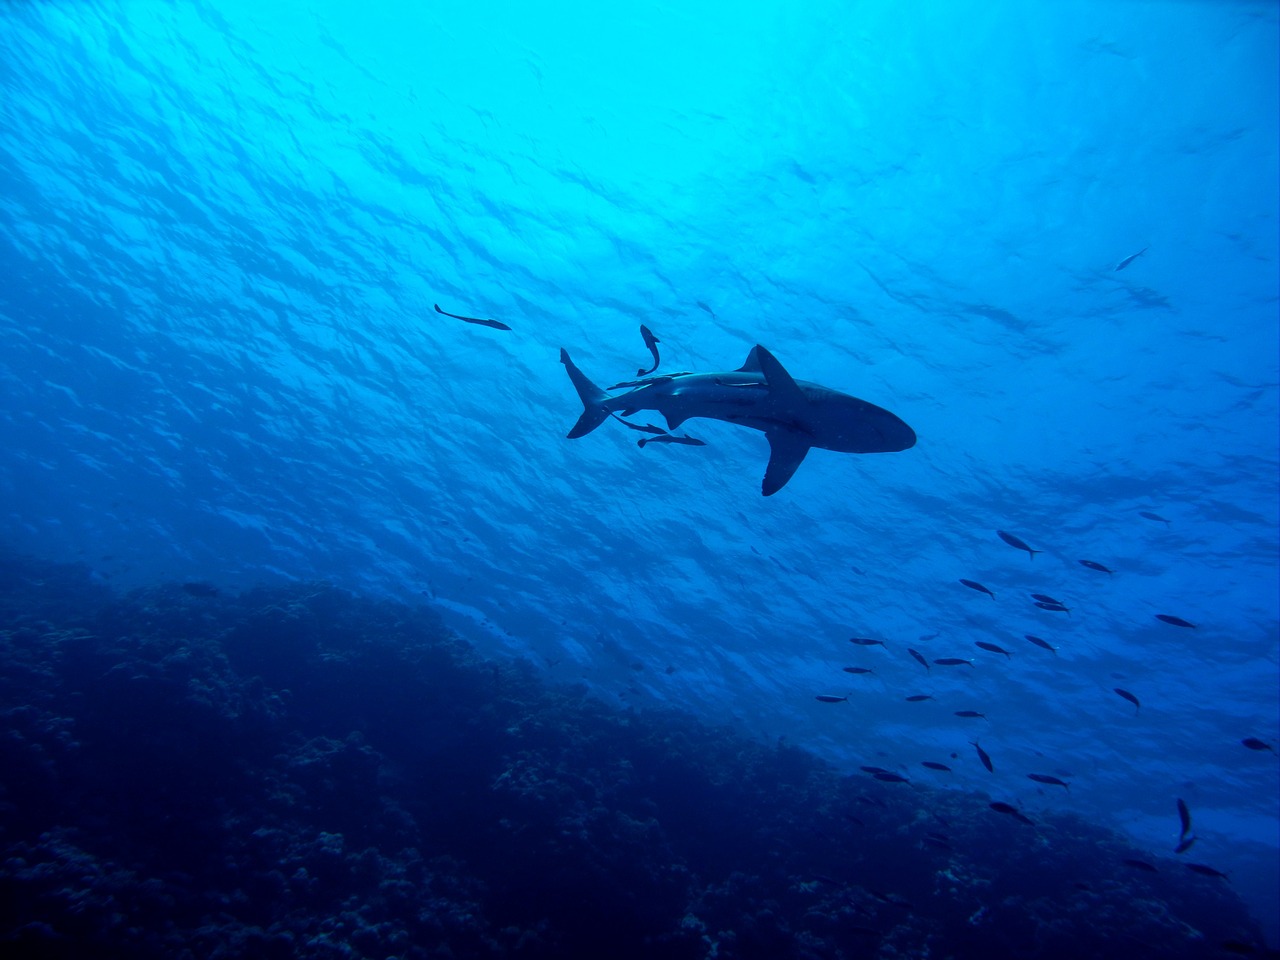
point(301, 772)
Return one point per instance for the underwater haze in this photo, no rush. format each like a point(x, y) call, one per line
point(1044, 236)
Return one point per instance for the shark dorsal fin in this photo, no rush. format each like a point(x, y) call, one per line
point(752, 364)
point(781, 386)
point(787, 450)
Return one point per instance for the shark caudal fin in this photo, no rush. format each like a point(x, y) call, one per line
point(593, 399)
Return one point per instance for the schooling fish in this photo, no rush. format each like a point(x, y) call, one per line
point(1184, 815)
point(672, 438)
point(975, 585)
point(889, 777)
point(1147, 515)
point(1131, 698)
point(827, 698)
point(1094, 565)
point(1040, 643)
point(866, 641)
point(919, 659)
point(1130, 258)
point(495, 324)
point(1045, 778)
point(1010, 811)
point(982, 755)
point(1176, 621)
point(970, 714)
point(651, 342)
point(917, 697)
point(858, 670)
point(1045, 598)
point(952, 661)
point(933, 765)
point(991, 647)
point(1253, 743)
point(1055, 607)
point(1013, 541)
point(1139, 865)
point(1206, 871)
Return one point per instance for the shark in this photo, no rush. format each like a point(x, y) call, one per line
point(794, 415)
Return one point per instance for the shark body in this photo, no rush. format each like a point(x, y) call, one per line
point(794, 415)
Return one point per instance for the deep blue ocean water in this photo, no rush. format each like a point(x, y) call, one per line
point(223, 227)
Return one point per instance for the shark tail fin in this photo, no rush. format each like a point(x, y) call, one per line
point(593, 399)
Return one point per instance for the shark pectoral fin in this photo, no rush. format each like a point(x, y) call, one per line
point(781, 386)
point(786, 452)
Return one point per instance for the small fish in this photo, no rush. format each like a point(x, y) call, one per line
point(651, 342)
point(1041, 643)
point(672, 438)
point(890, 777)
point(642, 427)
point(1045, 598)
point(934, 765)
point(857, 670)
point(1253, 743)
point(975, 585)
point(1147, 515)
point(991, 647)
point(1139, 865)
point(1055, 607)
point(970, 714)
point(873, 769)
point(918, 697)
point(866, 641)
point(1010, 811)
point(1131, 698)
point(1013, 541)
point(1130, 258)
point(982, 755)
point(1206, 871)
point(827, 698)
point(1185, 844)
point(1045, 778)
point(1184, 816)
point(952, 661)
point(1094, 565)
point(1239, 948)
point(1175, 621)
point(919, 659)
point(495, 324)
point(198, 589)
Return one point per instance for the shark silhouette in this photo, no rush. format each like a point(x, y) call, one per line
point(794, 415)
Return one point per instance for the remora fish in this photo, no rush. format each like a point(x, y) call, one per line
point(1130, 258)
point(794, 415)
point(672, 438)
point(479, 321)
point(651, 342)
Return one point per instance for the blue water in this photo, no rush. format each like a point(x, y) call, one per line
point(223, 228)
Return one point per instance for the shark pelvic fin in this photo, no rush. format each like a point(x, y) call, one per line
point(593, 399)
point(787, 450)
